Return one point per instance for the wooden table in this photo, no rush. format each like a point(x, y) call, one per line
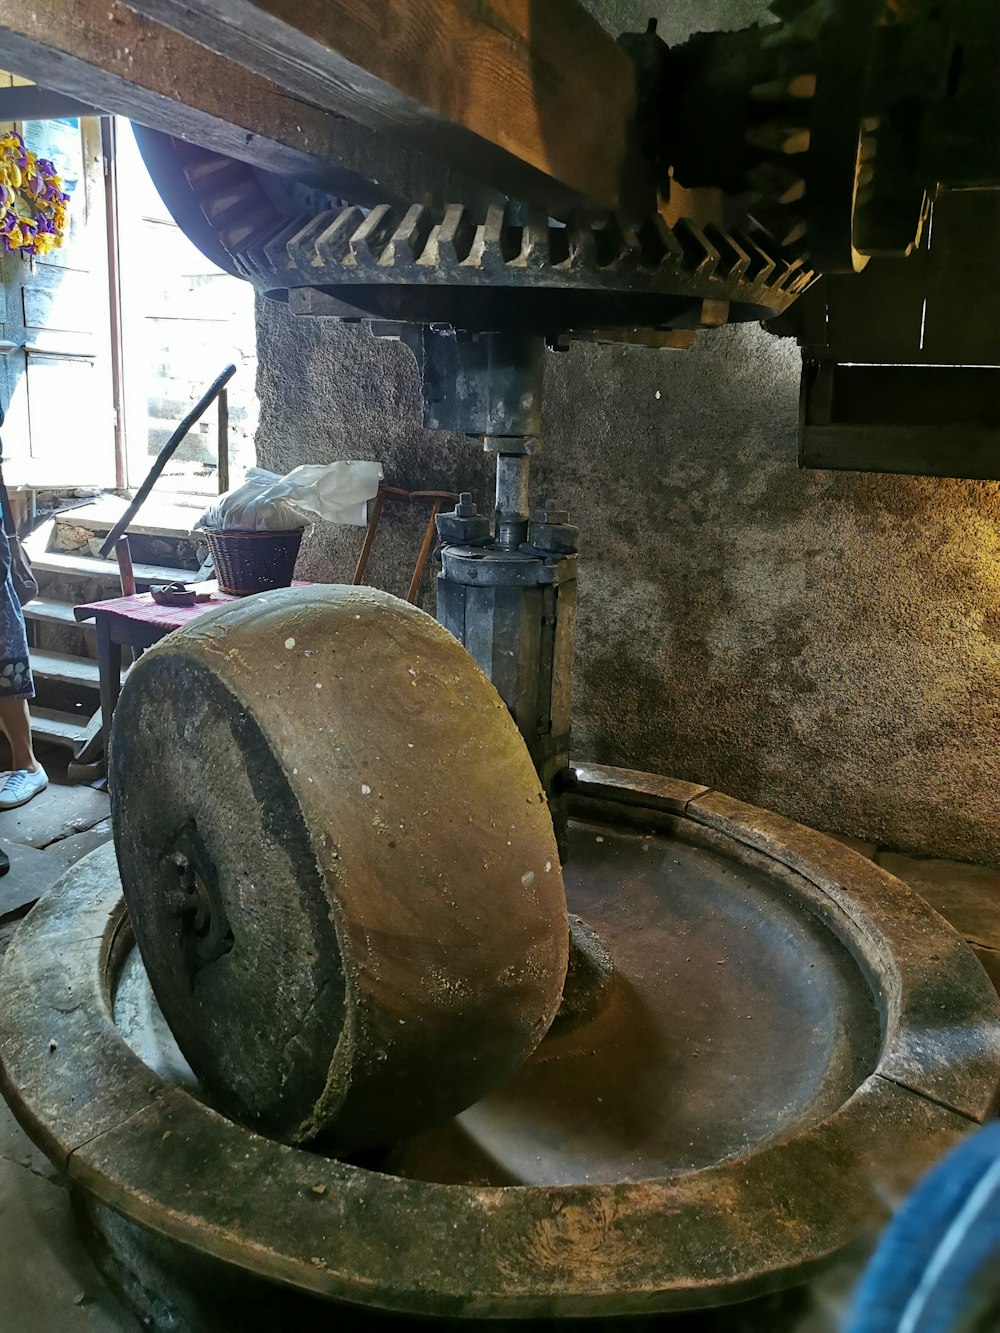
point(137, 622)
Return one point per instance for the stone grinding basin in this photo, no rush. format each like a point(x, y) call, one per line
point(789, 1038)
point(733, 1017)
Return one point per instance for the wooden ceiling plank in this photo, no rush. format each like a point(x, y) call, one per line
point(533, 97)
point(106, 55)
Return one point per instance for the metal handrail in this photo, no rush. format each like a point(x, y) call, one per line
point(164, 456)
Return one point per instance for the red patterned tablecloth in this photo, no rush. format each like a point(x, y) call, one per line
point(141, 607)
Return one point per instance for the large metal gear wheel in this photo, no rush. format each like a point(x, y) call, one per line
point(535, 275)
point(512, 269)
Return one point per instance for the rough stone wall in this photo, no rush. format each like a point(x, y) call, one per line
point(331, 391)
point(824, 644)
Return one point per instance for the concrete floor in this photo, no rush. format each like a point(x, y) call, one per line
point(46, 1278)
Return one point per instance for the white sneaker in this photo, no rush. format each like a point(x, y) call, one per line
point(21, 786)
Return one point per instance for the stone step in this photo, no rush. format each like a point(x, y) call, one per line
point(81, 671)
point(47, 724)
point(157, 518)
point(49, 611)
point(61, 562)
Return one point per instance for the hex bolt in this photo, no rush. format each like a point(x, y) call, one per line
point(464, 525)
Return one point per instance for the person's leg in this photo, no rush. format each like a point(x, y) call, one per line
point(27, 777)
point(16, 722)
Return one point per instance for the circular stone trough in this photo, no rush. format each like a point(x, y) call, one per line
point(789, 1036)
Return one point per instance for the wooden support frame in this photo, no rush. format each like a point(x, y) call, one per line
point(104, 54)
point(533, 96)
point(29, 102)
point(925, 421)
point(436, 499)
point(109, 151)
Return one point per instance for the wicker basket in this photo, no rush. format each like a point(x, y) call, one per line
point(247, 562)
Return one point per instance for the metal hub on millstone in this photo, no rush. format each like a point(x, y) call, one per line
point(788, 1038)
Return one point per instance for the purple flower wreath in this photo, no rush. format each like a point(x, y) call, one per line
point(32, 200)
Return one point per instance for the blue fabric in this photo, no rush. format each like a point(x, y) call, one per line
point(15, 668)
point(937, 1268)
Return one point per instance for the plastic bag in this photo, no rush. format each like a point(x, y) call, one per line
point(337, 492)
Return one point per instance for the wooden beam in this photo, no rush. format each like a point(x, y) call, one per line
point(28, 102)
point(106, 55)
point(533, 96)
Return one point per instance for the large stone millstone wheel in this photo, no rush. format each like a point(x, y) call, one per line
point(338, 862)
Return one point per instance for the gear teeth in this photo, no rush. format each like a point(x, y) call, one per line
point(797, 88)
point(333, 244)
point(603, 253)
point(232, 201)
point(775, 137)
point(798, 280)
point(799, 63)
point(780, 121)
point(777, 181)
point(582, 245)
point(450, 242)
point(792, 275)
point(302, 246)
point(802, 87)
point(610, 244)
point(368, 242)
point(255, 256)
point(251, 228)
point(784, 225)
point(274, 252)
point(500, 241)
point(228, 206)
point(700, 256)
point(213, 175)
point(489, 252)
point(534, 254)
point(238, 210)
point(234, 206)
point(650, 242)
point(760, 265)
point(733, 259)
point(674, 249)
point(635, 249)
point(407, 242)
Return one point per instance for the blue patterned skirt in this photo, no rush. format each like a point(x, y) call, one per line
point(15, 669)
